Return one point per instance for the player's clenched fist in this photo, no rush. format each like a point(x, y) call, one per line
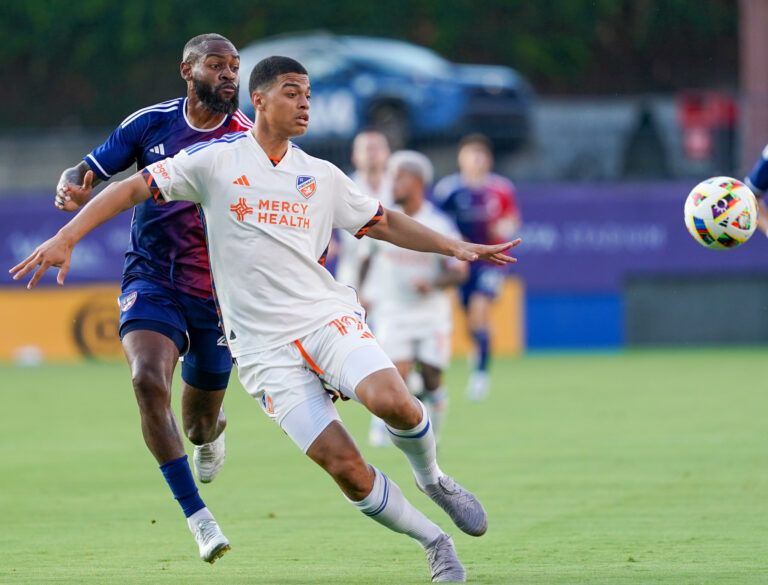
point(54, 252)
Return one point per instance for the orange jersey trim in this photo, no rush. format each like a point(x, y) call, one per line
point(311, 363)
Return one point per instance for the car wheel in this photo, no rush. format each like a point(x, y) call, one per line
point(390, 120)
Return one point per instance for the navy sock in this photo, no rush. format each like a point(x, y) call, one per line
point(483, 347)
point(179, 477)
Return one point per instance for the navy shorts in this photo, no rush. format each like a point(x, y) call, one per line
point(485, 279)
point(191, 322)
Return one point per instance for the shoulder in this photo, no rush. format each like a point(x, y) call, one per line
point(314, 165)
point(500, 183)
point(232, 140)
point(240, 121)
point(446, 187)
point(157, 113)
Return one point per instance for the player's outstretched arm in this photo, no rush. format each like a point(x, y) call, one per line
point(401, 230)
point(58, 250)
point(75, 187)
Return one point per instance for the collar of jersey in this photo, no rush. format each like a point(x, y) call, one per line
point(262, 156)
point(195, 128)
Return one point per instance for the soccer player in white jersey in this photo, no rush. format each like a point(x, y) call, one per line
point(297, 335)
point(370, 152)
point(412, 316)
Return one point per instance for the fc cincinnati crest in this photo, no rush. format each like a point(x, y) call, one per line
point(306, 185)
point(126, 301)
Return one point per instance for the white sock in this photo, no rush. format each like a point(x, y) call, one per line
point(418, 444)
point(387, 505)
point(436, 402)
point(201, 514)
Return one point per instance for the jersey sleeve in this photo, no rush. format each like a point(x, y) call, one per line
point(121, 150)
point(177, 179)
point(757, 180)
point(354, 211)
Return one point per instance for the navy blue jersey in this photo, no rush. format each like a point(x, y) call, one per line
point(477, 209)
point(757, 180)
point(167, 243)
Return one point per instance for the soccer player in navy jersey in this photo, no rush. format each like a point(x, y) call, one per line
point(166, 306)
point(485, 210)
point(757, 181)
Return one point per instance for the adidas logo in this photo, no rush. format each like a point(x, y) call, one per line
point(159, 149)
point(242, 181)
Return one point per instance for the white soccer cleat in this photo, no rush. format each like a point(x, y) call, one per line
point(213, 544)
point(477, 388)
point(208, 459)
point(443, 562)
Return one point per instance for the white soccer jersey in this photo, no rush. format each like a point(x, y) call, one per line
point(267, 227)
point(395, 273)
point(352, 251)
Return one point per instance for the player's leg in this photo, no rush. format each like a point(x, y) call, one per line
point(384, 393)
point(367, 488)
point(347, 357)
point(378, 435)
point(434, 397)
point(205, 374)
point(204, 422)
point(292, 394)
point(478, 295)
point(152, 335)
point(433, 354)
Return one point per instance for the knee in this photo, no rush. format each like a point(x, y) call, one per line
point(151, 385)
point(403, 412)
point(352, 474)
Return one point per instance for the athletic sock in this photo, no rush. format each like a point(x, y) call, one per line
point(387, 505)
point(179, 477)
point(436, 402)
point(483, 347)
point(419, 447)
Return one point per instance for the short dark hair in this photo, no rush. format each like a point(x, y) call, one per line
point(476, 139)
point(267, 70)
point(196, 47)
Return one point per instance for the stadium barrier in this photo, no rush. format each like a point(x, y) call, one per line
point(53, 324)
point(60, 324)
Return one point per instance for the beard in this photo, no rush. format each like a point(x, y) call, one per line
point(211, 99)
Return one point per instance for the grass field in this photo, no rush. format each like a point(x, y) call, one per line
point(638, 467)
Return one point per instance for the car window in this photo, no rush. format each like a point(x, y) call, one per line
point(394, 55)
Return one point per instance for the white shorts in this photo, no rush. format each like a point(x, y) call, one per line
point(428, 345)
point(329, 362)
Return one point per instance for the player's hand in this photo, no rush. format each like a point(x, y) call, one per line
point(494, 254)
point(71, 197)
point(54, 252)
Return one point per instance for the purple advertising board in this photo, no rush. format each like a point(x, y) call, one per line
point(27, 221)
point(591, 237)
point(576, 238)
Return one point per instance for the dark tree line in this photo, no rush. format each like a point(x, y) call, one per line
point(90, 62)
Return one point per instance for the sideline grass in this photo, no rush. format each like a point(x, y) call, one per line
point(638, 467)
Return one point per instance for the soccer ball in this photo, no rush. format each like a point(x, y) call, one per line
point(721, 213)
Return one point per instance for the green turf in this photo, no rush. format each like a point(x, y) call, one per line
point(638, 467)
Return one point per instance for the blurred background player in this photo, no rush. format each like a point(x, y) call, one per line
point(411, 317)
point(484, 207)
point(166, 305)
point(370, 152)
